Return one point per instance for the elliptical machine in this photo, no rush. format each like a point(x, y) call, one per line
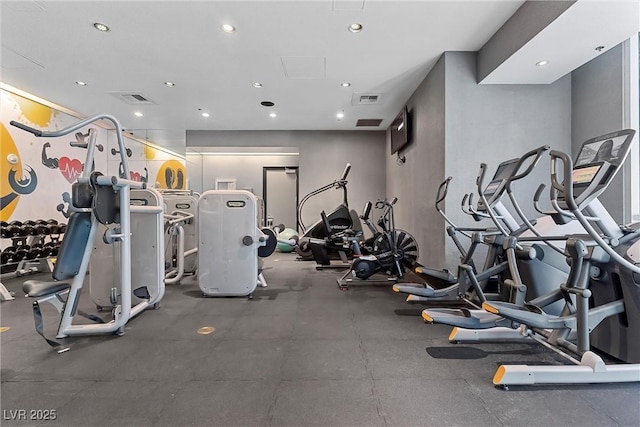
point(321, 243)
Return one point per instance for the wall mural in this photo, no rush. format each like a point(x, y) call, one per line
point(172, 175)
point(15, 180)
point(36, 173)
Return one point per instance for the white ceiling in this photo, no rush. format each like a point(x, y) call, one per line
point(299, 50)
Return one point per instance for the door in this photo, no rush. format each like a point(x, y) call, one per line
point(280, 194)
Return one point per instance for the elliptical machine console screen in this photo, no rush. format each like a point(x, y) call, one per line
point(505, 170)
point(584, 175)
point(598, 162)
point(610, 150)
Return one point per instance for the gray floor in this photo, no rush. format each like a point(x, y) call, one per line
point(302, 352)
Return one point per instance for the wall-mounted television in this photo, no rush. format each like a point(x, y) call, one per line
point(400, 130)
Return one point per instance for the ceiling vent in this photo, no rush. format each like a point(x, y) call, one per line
point(368, 122)
point(132, 98)
point(365, 99)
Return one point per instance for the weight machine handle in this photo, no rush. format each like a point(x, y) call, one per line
point(29, 129)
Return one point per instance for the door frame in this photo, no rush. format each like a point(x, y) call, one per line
point(265, 169)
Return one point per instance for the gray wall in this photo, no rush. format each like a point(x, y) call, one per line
point(493, 123)
point(322, 158)
point(459, 124)
point(598, 108)
point(416, 181)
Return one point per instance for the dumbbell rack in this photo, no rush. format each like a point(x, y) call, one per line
point(29, 253)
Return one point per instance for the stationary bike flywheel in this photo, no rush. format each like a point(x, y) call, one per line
point(406, 247)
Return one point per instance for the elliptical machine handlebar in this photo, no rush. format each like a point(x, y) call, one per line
point(537, 152)
point(480, 184)
point(567, 189)
point(443, 189)
point(347, 168)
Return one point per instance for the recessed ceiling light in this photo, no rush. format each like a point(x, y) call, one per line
point(340, 115)
point(138, 114)
point(80, 83)
point(345, 84)
point(101, 27)
point(267, 104)
point(542, 63)
point(273, 115)
point(228, 28)
point(205, 114)
point(355, 28)
point(169, 84)
point(257, 85)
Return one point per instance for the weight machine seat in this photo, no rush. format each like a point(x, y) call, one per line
point(39, 288)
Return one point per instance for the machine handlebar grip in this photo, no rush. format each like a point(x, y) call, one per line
point(537, 153)
point(442, 190)
point(480, 177)
point(536, 197)
point(393, 201)
point(367, 210)
point(347, 168)
point(29, 129)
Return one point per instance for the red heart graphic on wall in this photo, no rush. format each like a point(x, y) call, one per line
point(71, 168)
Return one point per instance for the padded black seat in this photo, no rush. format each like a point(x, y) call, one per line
point(39, 288)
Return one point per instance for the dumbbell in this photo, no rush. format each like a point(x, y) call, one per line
point(4, 230)
point(20, 252)
point(42, 228)
point(14, 229)
point(49, 248)
point(29, 228)
point(54, 227)
point(34, 252)
point(55, 249)
point(7, 255)
point(62, 227)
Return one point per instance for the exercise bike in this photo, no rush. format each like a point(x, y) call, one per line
point(390, 250)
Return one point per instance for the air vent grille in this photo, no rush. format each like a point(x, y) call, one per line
point(366, 99)
point(368, 122)
point(132, 98)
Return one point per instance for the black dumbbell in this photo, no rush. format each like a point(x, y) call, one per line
point(4, 230)
point(7, 255)
point(62, 228)
point(42, 228)
point(21, 252)
point(34, 252)
point(29, 228)
point(49, 248)
point(55, 249)
point(54, 227)
point(14, 229)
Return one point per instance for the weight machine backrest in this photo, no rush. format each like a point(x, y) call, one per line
point(73, 246)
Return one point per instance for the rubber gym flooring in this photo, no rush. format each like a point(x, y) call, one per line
point(302, 352)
